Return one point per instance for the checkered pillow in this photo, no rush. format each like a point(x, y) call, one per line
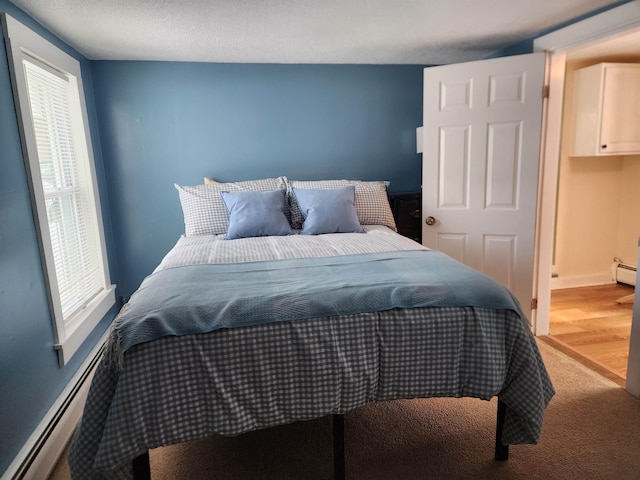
point(205, 213)
point(371, 201)
point(372, 204)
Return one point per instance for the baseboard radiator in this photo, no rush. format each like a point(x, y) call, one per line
point(625, 273)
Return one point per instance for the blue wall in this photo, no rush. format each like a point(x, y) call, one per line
point(163, 123)
point(30, 378)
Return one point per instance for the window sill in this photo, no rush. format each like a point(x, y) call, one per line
point(85, 323)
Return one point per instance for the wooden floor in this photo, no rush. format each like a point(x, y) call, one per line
point(588, 324)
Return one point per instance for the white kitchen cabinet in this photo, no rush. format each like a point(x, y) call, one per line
point(606, 110)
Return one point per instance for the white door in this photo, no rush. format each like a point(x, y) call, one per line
point(481, 151)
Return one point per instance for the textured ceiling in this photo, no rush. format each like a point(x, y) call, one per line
point(301, 31)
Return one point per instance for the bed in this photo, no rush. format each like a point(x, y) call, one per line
point(233, 334)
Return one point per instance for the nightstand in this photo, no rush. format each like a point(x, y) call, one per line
point(407, 212)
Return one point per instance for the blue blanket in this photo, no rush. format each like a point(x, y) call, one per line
point(202, 298)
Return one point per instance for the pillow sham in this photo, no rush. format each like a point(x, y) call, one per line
point(204, 211)
point(256, 214)
point(371, 201)
point(328, 210)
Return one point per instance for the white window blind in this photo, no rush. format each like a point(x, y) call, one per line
point(75, 251)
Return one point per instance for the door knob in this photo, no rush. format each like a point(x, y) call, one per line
point(430, 221)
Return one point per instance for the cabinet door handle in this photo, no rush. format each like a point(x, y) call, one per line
point(416, 214)
point(604, 146)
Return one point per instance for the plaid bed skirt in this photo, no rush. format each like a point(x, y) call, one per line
point(232, 381)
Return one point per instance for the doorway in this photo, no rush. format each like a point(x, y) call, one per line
point(584, 317)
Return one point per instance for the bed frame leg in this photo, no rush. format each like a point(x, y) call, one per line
point(502, 451)
point(338, 446)
point(142, 467)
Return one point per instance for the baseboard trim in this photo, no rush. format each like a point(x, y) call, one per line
point(581, 281)
point(39, 455)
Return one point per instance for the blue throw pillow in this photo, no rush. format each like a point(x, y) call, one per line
point(256, 214)
point(328, 211)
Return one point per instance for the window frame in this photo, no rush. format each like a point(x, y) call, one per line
point(22, 42)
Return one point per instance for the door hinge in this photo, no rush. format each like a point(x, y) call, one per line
point(545, 91)
point(534, 304)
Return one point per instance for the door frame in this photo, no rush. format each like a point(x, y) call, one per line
point(616, 21)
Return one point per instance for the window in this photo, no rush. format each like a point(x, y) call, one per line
point(49, 98)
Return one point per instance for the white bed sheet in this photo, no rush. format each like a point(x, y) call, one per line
point(215, 249)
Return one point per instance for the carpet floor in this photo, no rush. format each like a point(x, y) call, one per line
point(591, 432)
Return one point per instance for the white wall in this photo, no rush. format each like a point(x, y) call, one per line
point(629, 230)
point(633, 368)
